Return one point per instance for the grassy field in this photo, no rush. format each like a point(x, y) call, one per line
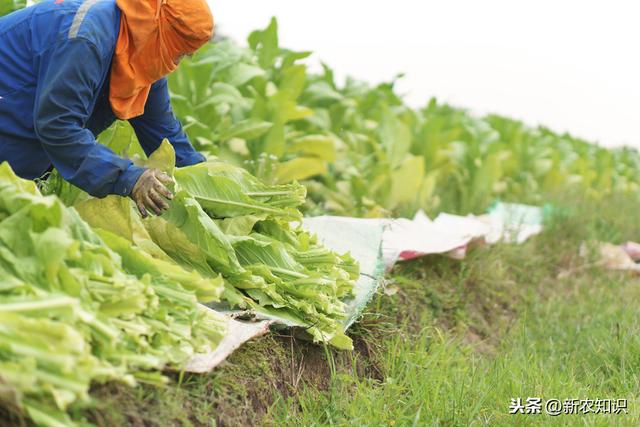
point(447, 343)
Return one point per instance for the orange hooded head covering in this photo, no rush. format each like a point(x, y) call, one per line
point(154, 34)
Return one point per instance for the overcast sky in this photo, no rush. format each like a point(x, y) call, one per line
point(568, 64)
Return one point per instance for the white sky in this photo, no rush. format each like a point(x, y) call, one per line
point(568, 64)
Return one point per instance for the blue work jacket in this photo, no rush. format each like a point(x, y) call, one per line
point(55, 63)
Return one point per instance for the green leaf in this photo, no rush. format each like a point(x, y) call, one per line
point(227, 191)
point(241, 73)
point(299, 169)
point(221, 93)
point(290, 57)
point(406, 182)
point(265, 43)
point(395, 137)
point(121, 138)
point(320, 146)
point(241, 225)
point(247, 129)
point(139, 263)
point(322, 92)
point(274, 142)
point(164, 158)
point(112, 213)
point(190, 236)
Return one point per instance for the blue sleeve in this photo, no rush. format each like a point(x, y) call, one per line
point(69, 80)
point(159, 122)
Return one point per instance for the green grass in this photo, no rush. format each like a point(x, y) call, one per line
point(452, 346)
point(582, 345)
point(501, 325)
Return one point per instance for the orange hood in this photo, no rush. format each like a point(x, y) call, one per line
point(154, 34)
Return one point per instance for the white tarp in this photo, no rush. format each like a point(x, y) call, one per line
point(238, 333)
point(449, 234)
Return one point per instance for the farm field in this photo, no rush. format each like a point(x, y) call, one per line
point(99, 333)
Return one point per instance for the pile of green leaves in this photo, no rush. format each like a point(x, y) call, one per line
point(225, 223)
point(242, 230)
point(70, 315)
point(361, 151)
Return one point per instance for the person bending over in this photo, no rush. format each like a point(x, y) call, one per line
point(70, 68)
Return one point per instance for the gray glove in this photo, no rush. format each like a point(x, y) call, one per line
point(150, 192)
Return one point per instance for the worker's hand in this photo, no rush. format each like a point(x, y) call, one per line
point(150, 192)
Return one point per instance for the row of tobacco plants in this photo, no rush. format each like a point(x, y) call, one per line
point(361, 151)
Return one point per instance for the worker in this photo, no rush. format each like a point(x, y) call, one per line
point(70, 68)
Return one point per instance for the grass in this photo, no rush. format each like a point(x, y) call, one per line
point(583, 345)
point(449, 343)
point(498, 326)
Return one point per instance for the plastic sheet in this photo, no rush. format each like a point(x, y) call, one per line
point(452, 235)
point(238, 333)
